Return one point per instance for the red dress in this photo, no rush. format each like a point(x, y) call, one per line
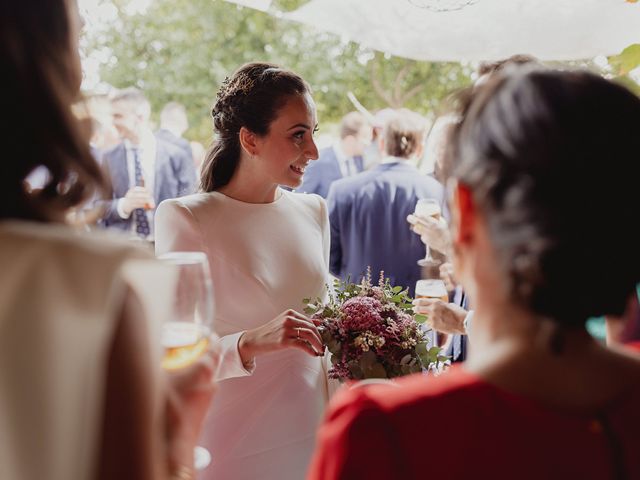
point(458, 426)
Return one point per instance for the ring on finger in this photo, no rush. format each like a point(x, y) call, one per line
point(297, 334)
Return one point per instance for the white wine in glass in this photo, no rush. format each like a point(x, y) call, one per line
point(427, 207)
point(183, 344)
point(186, 336)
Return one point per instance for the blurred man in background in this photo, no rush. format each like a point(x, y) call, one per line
point(342, 159)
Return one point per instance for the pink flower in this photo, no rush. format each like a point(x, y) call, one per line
point(362, 313)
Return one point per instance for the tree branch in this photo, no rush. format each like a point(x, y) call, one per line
point(397, 87)
point(378, 88)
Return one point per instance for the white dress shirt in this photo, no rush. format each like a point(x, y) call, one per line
point(347, 164)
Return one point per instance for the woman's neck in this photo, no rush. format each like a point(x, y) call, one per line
point(535, 357)
point(250, 187)
point(502, 332)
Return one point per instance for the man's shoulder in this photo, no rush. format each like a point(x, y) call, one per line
point(355, 182)
point(170, 137)
point(325, 157)
point(407, 175)
point(172, 150)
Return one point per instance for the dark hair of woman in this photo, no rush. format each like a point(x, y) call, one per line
point(559, 187)
point(251, 98)
point(40, 81)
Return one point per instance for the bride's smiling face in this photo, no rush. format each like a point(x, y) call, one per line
point(285, 151)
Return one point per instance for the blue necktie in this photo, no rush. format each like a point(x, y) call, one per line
point(139, 215)
point(359, 162)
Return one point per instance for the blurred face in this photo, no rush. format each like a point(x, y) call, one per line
point(126, 120)
point(285, 151)
point(356, 144)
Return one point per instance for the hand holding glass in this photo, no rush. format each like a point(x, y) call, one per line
point(186, 336)
point(427, 207)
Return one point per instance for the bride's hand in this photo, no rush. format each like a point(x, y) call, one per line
point(287, 330)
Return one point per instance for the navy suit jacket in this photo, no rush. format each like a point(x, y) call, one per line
point(167, 136)
point(368, 212)
point(321, 173)
point(175, 176)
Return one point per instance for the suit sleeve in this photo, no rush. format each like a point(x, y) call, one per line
point(185, 172)
point(355, 442)
point(108, 203)
point(177, 230)
point(335, 257)
point(311, 180)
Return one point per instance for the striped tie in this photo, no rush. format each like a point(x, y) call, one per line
point(139, 215)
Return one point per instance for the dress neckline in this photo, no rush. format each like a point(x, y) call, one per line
point(232, 200)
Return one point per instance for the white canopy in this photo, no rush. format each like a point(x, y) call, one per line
point(480, 29)
point(257, 4)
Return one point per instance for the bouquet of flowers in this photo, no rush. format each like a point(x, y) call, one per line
point(371, 331)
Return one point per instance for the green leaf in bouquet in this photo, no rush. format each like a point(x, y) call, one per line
point(420, 318)
point(306, 300)
point(406, 360)
point(355, 370)
point(397, 289)
point(428, 356)
point(309, 310)
point(333, 345)
point(396, 298)
point(370, 366)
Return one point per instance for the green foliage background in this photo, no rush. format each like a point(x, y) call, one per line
point(181, 50)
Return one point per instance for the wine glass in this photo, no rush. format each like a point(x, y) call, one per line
point(432, 288)
point(427, 207)
point(186, 336)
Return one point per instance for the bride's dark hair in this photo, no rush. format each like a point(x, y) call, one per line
point(251, 98)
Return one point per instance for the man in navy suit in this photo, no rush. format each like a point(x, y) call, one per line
point(367, 212)
point(342, 159)
point(143, 170)
point(173, 123)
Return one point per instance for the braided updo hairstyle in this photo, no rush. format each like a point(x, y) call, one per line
point(251, 98)
point(552, 161)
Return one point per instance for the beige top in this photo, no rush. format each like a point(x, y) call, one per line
point(60, 295)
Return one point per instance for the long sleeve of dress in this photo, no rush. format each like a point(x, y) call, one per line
point(177, 230)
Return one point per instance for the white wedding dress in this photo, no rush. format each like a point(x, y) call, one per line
point(265, 258)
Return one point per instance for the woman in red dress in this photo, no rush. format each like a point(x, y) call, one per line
point(539, 161)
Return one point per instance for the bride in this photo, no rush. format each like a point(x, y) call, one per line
point(268, 249)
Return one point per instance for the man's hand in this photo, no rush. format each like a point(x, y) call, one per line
point(433, 232)
point(443, 317)
point(137, 197)
point(446, 274)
